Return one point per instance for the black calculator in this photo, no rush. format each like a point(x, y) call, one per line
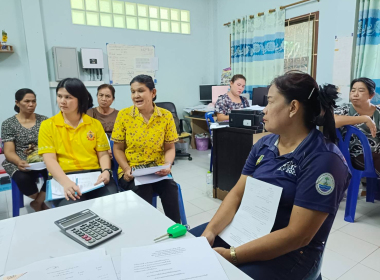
point(87, 228)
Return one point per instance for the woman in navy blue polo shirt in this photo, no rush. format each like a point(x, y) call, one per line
point(301, 160)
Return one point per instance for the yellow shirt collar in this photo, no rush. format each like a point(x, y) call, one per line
point(58, 119)
point(135, 112)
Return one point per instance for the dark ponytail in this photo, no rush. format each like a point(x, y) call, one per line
point(318, 101)
point(20, 94)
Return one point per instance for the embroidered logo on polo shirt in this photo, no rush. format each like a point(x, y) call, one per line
point(289, 168)
point(90, 136)
point(325, 184)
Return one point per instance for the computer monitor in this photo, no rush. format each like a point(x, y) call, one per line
point(259, 96)
point(205, 92)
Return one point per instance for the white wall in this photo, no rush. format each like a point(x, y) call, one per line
point(14, 68)
point(336, 18)
point(184, 60)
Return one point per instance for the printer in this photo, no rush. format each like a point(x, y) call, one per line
point(246, 118)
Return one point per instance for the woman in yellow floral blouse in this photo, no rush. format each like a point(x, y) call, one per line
point(145, 134)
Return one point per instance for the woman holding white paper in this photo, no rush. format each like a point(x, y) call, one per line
point(71, 142)
point(19, 134)
point(310, 170)
point(144, 135)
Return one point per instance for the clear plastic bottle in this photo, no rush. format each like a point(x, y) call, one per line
point(209, 185)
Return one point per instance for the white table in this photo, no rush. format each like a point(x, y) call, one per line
point(36, 237)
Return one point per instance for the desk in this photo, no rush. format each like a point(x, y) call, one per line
point(231, 147)
point(35, 234)
point(198, 126)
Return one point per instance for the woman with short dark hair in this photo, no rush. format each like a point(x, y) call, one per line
point(104, 113)
point(308, 167)
point(71, 141)
point(20, 137)
point(366, 117)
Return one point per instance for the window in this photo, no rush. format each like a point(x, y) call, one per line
point(121, 14)
point(300, 44)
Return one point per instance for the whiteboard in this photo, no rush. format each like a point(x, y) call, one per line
point(124, 62)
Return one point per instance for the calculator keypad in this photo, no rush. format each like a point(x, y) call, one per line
point(93, 231)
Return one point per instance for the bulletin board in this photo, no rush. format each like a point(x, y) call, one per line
point(125, 62)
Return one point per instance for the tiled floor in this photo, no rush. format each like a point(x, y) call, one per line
point(352, 251)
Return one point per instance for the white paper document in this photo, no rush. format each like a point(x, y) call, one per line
point(191, 258)
point(148, 179)
point(6, 233)
point(256, 214)
point(149, 170)
point(93, 265)
point(85, 181)
point(36, 166)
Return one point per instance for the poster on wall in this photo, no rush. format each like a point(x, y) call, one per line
point(126, 62)
point(342, 66)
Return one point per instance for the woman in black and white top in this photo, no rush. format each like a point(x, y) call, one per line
point(365, 116)
point(20, 136)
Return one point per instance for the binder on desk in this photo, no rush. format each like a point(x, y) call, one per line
point(86, 181)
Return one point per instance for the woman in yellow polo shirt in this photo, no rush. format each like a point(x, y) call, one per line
point(71, 141)
point(145, 134)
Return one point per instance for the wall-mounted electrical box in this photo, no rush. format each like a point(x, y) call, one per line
point(92, 58)
point(65, 63)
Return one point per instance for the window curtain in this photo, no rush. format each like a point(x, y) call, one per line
point(298, 46)
point(367, 56)
point(257, 48)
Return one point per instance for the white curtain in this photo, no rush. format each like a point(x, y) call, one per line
point(257, 48)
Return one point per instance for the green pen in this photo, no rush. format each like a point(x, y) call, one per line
point(174, 231)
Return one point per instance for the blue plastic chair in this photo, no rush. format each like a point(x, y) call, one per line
point(154, 200)
point(181, 206)
point(209, 119)
point(369, 171)
point(115, 166)
point(17, 199)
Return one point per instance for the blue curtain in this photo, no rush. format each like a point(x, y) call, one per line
point(257, 48)
point(367, 56)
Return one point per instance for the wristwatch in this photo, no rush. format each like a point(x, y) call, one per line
point(233, 255)
point(109, 170)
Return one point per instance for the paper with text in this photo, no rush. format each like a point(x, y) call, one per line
point(149, 170)
point(152, 178)
point(86, 183)
point(256, 214)
point(6, 233)
point(191, 258)
point(93, 265)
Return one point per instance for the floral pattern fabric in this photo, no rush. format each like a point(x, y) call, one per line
point(144, 141)
point(355, 145)
point(224, 104)
point(13, 131)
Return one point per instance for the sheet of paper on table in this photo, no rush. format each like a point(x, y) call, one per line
point(256, 214)
point(191, 258)
point(94, 265)
point(6, 233)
